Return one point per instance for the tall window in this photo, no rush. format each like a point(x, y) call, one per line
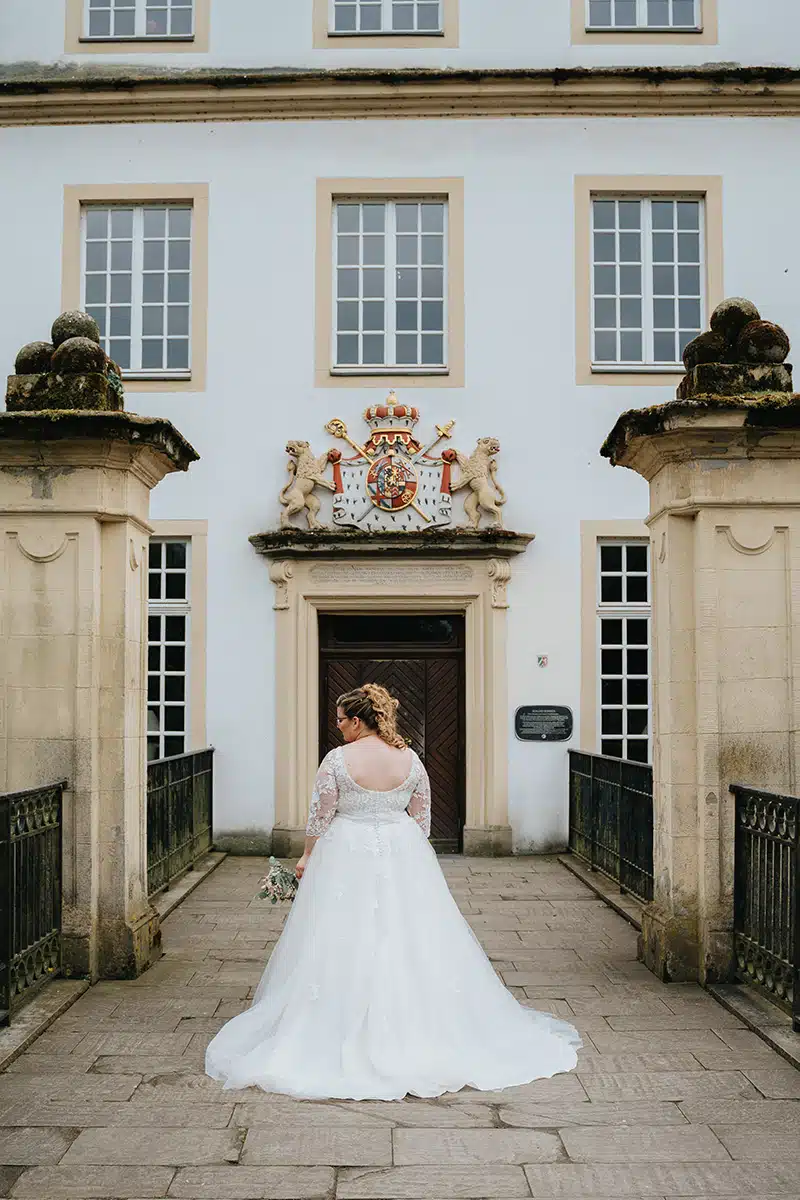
point(169, 612)
point(648, 279)
point(137, 284)
point(386, 16)
point(390, 303)
point(643, 14)
point(139, 18)
point(624, 640)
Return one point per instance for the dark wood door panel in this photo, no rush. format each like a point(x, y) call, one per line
point(431, 717)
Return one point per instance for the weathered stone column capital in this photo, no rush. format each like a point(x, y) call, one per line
point(151, 446)
point(726, 428)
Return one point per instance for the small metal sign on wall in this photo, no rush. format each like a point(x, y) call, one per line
point(543, 723)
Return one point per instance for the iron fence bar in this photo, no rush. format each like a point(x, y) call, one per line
point(613, 830)
point(766, 895)
point(31, 867)
point(180, 817)
point(6, 909)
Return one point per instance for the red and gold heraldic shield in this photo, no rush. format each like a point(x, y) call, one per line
point(392, 483)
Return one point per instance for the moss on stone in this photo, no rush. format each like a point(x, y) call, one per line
point(33, 393)
point(779, 410)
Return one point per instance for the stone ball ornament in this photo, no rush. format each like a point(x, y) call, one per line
point(74, 325)
point(709, 347)
point(738, 337)
point(34, 359)
point(763, 342)
point(78, 356)
point(730, 317)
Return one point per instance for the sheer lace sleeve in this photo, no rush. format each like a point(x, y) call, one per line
point(419, 806)
point(324, 798)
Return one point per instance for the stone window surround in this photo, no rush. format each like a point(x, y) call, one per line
point(707, 35)
point(709, 187)
point(330, 190)
point(325, 40)
point(76, 43)
point(76, 195)
point(195, 532)
point(381, 583)
point(593, 532)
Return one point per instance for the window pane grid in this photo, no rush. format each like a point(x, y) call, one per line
point(136, 284)
point(624, 650)
point(139, 18)
point(390, 305)
point(643, 14)
point(386, 16)
point(168, 648)
point(648, 297)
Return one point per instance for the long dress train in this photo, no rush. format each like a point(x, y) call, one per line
point(377, 987)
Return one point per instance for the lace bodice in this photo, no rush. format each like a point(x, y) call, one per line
point(334, 791)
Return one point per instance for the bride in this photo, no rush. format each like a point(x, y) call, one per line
point(377, 987)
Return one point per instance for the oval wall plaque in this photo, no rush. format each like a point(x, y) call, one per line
point(543, 723)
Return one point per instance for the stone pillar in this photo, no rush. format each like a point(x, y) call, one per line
point(74, 500)
point(723, 464)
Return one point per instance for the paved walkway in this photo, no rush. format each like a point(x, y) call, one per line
point(672, 1097)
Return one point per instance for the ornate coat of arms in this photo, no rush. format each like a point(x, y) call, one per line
point(392, 482)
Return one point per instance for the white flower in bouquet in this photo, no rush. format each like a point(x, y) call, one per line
point(278, 884)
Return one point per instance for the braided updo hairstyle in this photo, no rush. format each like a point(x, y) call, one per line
point(373, 705)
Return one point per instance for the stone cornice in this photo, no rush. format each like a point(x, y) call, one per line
point(761, 425)
point(339, 543)
point(28, 431)
point(42, 95)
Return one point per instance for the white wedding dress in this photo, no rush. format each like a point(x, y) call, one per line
point(377, 987)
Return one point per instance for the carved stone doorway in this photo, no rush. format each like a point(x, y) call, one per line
point(420, 659)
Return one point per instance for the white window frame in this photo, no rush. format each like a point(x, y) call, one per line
point(140, 27)
point(137, 284)
point(387, 28)
point(173, 608)
point(648, 365)
point(642, 25)
point(390, 295)
point(613, 610)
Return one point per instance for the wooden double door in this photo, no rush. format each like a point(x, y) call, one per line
point(420, 660)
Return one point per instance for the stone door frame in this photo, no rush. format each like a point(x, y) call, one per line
point(384, 583)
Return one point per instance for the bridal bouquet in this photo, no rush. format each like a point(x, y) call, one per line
point(278, 884)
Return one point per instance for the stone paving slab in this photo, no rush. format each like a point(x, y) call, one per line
point(458, 1147)
point(178, 1147)
point(755, 1143)
point(667, 1085)
point(644, 1144)
point(663, 1179)
point(93, 1183)
point(779, 1114)
point(32, 1147)
point(253, 1183)
point(287, 1145)
point(422, 1183)
point(673, 1095)
point(555, 1116)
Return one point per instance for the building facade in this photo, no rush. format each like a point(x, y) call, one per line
point(513, 216)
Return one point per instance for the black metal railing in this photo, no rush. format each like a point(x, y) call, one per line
point(766, 895)
point(30, 891)
point(180, 805)
point(611, 819)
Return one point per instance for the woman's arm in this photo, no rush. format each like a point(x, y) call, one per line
point(324, 802)
point(419, 806)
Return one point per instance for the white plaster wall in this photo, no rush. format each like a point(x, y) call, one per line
point(493, 33)
point(519, 363)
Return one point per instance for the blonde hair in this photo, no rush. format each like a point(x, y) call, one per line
point(373, 705)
